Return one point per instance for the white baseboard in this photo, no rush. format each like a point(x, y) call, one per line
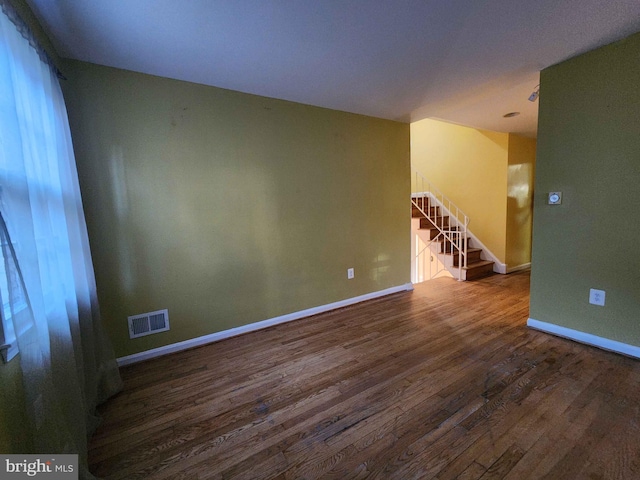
point(498, 267)
point(588, 338)
point(214, 337)
point(518, 268)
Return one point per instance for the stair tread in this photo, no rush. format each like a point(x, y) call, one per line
point(479, 270)
point(481, 263)
point(452, 230)
point(455, 253)
point(469, 250)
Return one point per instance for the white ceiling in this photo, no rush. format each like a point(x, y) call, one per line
point(464, 61)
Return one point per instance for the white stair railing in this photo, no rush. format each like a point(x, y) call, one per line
point(451, 222)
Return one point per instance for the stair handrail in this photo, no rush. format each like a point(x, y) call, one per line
point(427, 197)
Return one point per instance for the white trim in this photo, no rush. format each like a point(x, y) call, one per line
point(588, 338)
point(498, 266)
point(524, 266)
point(232, 332)
point(419, 194)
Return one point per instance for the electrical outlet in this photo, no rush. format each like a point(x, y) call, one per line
point(350, 273)
point(596, 297)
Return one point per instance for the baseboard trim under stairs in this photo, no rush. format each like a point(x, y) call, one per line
point(480, 260)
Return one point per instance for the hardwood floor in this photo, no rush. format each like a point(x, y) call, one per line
point(443, 382)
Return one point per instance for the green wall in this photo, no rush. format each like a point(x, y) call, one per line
point(228, 208)
point(589, 149)
point(15, 436)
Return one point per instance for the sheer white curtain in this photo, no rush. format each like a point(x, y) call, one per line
point(67, 364)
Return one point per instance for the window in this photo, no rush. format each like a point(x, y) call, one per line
point(8, 343)
point(13, 301)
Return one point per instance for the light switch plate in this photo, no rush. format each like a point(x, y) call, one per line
point(555, 198)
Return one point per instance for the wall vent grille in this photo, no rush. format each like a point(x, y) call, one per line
point(148, 323)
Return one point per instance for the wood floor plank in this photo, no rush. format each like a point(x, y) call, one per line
point(443, 382)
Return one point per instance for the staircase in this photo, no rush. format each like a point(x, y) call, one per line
point(442, 229)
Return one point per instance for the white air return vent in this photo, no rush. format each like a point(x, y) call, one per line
point(148, 323)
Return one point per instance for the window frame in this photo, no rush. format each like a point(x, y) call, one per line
point(8, 336)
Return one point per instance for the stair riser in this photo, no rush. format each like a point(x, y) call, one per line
point(433, 211)
point(475, 273)
point(448, 247)
point(421, 201)
point(441, 221)
point(471, 257)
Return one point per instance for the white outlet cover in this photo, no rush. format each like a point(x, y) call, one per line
point(596, 297)
point(350, 273)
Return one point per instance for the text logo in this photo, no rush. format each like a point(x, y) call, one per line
point(51, 467)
